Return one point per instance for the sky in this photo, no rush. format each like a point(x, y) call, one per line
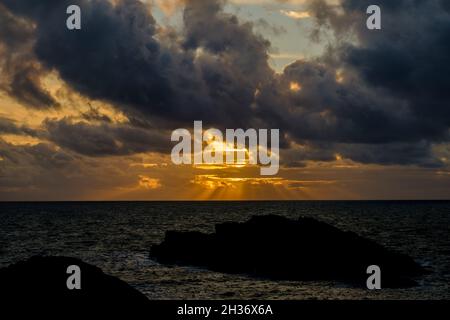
point(88, 114)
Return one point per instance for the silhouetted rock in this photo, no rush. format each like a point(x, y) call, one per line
point(41, 281)
point(278, 248)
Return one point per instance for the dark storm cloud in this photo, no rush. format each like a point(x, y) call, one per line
point(117, 57)
point(390, 108)
point(105, 139)
point(391, 154)
point(232, 61)
point(393, 103)
point(20, 72)
point(43, 155)
point(93, 114)
point(408, 60)
point(238, 47)
point(44, 171)
point(383, 153)
point(8, 126)
point(325, 110)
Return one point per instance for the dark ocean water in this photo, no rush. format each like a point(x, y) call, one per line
point(117, 236)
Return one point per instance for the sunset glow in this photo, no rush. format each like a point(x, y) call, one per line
point(91, 119)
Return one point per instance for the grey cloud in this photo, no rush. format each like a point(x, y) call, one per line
point(409, 59)
point(392, 153)
point(265, 26)
point(43, 155)
point(43, 171)
point(93, 114)
point(21, 73)
point(8, 126)
point(393, 105)
point(105, 139)
point(116, 57)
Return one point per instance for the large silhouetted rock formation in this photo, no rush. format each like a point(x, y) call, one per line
point(39, 284)
point(278, 248)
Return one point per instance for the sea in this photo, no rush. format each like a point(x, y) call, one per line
point(117, 237)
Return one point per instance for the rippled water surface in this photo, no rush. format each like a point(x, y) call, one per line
point(117, 236)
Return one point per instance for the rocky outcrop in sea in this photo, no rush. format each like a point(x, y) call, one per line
point(278, 248)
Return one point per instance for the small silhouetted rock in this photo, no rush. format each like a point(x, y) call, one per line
point(282, 249)
point(41, 281)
